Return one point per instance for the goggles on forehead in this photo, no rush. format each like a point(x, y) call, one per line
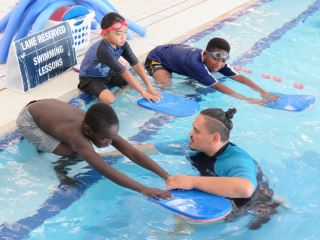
point(115, 26)
point(219, 55)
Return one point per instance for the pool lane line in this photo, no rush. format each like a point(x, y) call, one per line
point(60, 199)
point(267, 41)
point(234, 17)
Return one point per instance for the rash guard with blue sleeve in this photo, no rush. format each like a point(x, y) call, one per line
point(101, 57)
point(229, 161)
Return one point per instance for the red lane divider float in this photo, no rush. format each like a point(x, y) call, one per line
point(237, 68)
point(276, 78)
point(298, 85)
point(246, 70)
point(265, 75)
point(268, 76)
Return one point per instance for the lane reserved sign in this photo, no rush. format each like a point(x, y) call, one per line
point(42, 56)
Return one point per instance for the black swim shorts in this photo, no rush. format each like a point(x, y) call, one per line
point(95, 85)
point(152, 66)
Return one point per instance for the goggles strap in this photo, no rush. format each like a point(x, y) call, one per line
point(113, 26)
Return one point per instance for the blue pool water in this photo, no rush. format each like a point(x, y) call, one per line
point(279, 37)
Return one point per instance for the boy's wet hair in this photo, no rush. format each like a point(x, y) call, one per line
point(223, 119)
point(110, 19)
point(218, 43)
point(100, 116)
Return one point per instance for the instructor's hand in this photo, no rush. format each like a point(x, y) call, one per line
point(180, 181)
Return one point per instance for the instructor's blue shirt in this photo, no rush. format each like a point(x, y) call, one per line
point(235, 162)
point(230, 161)
point(186, 60)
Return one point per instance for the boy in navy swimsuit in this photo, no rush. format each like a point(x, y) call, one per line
point(101, 70)
point(198, 64)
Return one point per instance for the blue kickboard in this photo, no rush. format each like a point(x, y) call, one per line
point(172, 104)
point(197, 205)
point(293, 103)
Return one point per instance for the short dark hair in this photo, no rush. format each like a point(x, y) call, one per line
point(110, 19)
point(218, 43)
point(100, 116)
point(223, 119)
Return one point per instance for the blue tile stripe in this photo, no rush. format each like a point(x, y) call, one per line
point(64, 196)
point(8, 139)
point(222, 23)
point(60, 199)
point(266, 42)
point(151, 127)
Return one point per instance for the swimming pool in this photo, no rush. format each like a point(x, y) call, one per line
point(33, 206)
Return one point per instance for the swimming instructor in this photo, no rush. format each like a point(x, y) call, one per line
point(226, 169)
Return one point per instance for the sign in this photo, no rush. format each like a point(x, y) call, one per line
point(42, 56)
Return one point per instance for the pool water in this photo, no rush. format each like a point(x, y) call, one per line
point(270, 38)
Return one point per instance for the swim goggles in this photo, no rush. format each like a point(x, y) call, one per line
point(115, 26)
point(219, 55)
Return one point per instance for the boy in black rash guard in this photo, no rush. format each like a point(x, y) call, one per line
point(101, 70)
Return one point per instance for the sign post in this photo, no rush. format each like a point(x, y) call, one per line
point(40, 57)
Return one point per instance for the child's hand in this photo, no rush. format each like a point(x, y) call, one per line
point(154, 92)
point(270, 97)
point(156, 193)
point(150, 96)
point(255, 101)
